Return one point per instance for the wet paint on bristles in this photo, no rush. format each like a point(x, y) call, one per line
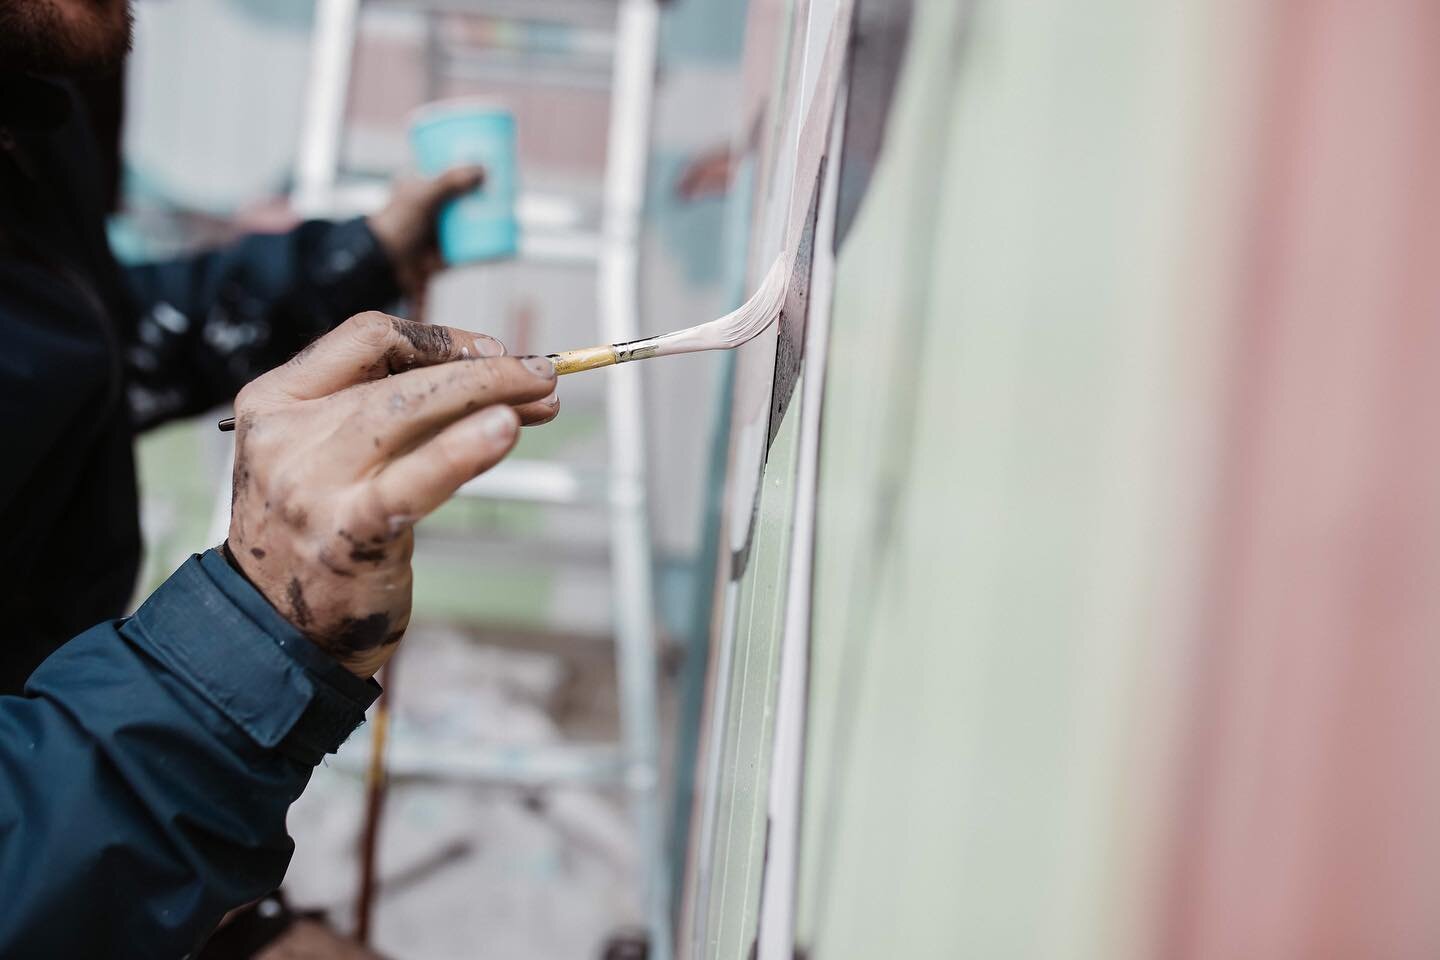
point(738, 327)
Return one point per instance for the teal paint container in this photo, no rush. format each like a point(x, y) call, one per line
point(451, 133)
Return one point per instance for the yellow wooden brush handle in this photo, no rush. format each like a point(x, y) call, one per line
point(586, 358)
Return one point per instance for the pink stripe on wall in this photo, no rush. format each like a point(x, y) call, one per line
point(1310, 824)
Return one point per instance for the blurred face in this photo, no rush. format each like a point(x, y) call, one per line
point(63, 36)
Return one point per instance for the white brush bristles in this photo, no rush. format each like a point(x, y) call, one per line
point(757, 313)
point(737, 327)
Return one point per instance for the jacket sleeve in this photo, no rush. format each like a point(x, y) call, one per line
point(146, 773)
point(206, 325)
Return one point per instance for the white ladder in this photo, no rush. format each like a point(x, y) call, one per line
point(614, 251)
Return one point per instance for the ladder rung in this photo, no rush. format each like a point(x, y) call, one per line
point(558, 212)
point(350, 197)
point(538, 481)
point(550, 230)
point(589, 13)
point(584, 46)
point(554, 211)
point(548, 72)
point(569, 246)
point(520, 765)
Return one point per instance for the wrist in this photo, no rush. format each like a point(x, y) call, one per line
point(363, 667)
point(235, 564)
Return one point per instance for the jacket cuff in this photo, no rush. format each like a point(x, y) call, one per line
point(213, 629)
point(353, 271)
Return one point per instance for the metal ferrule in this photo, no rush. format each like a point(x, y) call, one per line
point(636, 350)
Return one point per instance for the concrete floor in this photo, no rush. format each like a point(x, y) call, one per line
point(476, 871)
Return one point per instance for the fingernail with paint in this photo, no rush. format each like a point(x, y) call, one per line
point(498, 423)
point(540, 366)
point(489, 347)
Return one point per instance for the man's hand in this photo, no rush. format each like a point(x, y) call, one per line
point(338, 454)
point(406, 226)
point(707, 174)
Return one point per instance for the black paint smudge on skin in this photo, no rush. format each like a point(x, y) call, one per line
point(431, 340)
point(334, 567)
point(240, 479)
point(360, 552)
point(305, 351)
point(371, 555)
point(295, 516)
point(395, 360)
point(240, 475)
point(257, 553)
point(362, 634)
point(378, 537)
point(296, 595)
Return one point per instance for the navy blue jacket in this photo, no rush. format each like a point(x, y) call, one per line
point(145, 774)
point(91, 353)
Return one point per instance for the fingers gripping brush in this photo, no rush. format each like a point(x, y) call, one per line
point(737, 327)
point(725, 333)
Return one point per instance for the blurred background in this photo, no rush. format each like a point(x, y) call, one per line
point(523, 847)
point(1119, 554)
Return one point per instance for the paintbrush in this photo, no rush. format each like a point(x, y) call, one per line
point(725, 333)
point(737, 327)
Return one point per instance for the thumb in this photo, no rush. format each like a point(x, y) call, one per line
point(368, 346)
point(451, 183)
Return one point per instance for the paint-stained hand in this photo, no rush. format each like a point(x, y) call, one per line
point(405, 226)
point(338, 454)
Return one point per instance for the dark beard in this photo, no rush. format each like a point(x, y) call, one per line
point(36, 37)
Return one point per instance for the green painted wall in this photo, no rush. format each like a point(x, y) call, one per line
point(1023, 333)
